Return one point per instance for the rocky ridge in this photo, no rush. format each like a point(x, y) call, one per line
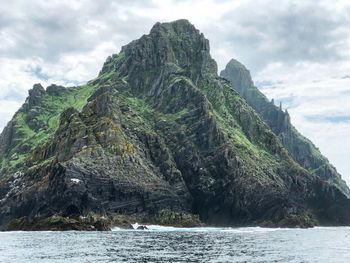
point(301, 149)
point(159, 137)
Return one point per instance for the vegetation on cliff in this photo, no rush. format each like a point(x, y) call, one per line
point(158, 135)
point(300, 148)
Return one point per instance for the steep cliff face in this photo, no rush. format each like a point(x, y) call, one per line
point(157, 135)
point(301, 149)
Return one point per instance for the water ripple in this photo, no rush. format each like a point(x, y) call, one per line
point(179, 245)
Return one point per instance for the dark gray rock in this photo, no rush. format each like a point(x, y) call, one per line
point(142, 228)
point(301, 149)
point(34, 96)
point(55, 90)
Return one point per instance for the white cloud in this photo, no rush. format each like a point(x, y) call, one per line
point(7, 110)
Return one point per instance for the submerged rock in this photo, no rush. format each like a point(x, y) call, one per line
point(142, 228)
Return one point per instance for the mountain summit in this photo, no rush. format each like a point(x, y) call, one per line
point(157, 137)
point(300, 148)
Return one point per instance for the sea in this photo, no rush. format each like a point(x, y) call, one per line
point(171, 244)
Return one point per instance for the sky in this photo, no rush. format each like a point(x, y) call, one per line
point(298, 52)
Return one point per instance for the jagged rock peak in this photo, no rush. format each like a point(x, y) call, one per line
point(178, 26)
point(34, 94)
point(176, 43)
point(37, 89)
point(238, 75)
point(55, 90)
point(278, 119)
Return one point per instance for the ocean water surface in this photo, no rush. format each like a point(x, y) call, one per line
point(169, 244)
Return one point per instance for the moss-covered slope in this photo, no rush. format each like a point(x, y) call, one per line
point(300, 148)
point(36, 121)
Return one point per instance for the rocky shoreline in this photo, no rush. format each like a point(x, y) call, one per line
point(100, 223)
point(105, 223)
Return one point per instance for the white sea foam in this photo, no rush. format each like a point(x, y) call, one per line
point(159, 228)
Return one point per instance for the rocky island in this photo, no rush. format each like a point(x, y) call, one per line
point(159, 137)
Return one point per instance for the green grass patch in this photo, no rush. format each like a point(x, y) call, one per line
point(145, 110)
point(47, 112)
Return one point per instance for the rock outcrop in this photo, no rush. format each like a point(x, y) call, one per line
point(158, 135)
point(302, 150)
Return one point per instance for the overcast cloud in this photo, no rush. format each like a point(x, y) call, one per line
point(298, 51)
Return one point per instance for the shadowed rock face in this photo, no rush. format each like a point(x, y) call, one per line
point(157, 135)
point(300, 148)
